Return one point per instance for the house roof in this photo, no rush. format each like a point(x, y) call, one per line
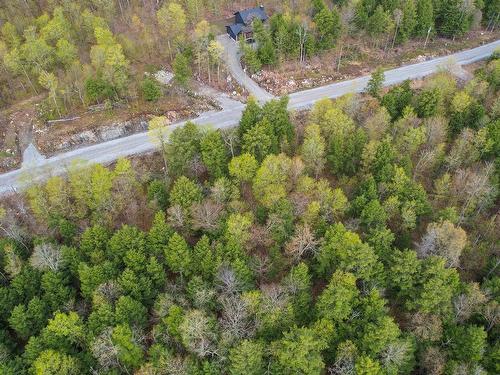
point(247, 15)
point(236, 28)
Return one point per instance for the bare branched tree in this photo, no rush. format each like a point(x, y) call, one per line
point(104, 351)
point(491, 313)
point(236, 318)
point(197, 334)
point(227, 282)
point(110, 290)
point(395, 354)
point(46, 257)
point(344, 360)
point(196, 167)
point(468, 303)
point(206, 215)
point(303, 243)
point(474, 190)
point(426, 327)
point(433, 361)
point(176, 217)
point(230, 138)
point(260, 236)
point(443, 239)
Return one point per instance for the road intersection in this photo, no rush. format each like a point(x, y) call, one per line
point(110, 151)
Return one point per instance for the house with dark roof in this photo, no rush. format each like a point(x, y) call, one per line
point(242, 26)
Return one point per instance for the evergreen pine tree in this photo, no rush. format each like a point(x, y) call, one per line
point(177, 255)
point(425, 18)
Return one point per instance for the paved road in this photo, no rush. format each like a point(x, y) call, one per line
point(232, 60)
point(139, 143)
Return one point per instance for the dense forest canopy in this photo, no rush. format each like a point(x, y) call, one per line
point(361, 239)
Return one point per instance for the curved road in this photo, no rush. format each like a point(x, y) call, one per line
point(107, 152)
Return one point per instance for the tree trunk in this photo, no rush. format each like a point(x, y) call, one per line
point(340, 56)
point(54, 98)
point(395, 34)
point(29, 80)
point(169, 49)
point(495, 23)
point(199, 64)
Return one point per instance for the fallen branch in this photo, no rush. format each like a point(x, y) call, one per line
point(62, 120)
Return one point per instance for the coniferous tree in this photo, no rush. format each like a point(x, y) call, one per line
point(424, 18)
point(214, 154)
point(251, 116)
point(453, 19)
point(375, 83)
point(177, 255)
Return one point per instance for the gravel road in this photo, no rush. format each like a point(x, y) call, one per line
point(107, 152)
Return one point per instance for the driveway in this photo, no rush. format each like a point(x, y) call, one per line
point(232, 59)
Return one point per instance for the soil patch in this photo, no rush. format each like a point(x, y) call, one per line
point(16, 131)
point(114, 123)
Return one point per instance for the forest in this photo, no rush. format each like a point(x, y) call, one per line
point(360, 237)
point(318, 27)
point(82, 53)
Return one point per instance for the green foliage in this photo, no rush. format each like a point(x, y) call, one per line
point(182, 70)
point(151, 90)
point(345, 150)
point(250, 117)
point(265, 51)
point(367, 366)
point(269, 259)
point(259, 140)
point(131, 312)
point(466, 112)
point(159, 234)
point(427, 286)
point(313, 150)
point(185, 192)
point(51, 362)
point(275, 111)
point(28, 320)
point(205, 261)
point(428, 103)
point(299, 280)
point(467, 343)
point(97, 90)
point(214, 154)
point(182, 149)
point(408, 22)
point(335, 302)
point(177, 255)
point(343, 250)
point(375, 83)
point(247, 358)
point(243, 167)
point(425, 18)
point(127, 245)
point(397, 99)
point(328, 27)
point(378, 23)
point(270, 182)
point(251, 57)
point(299, 351)
point(130, 353)
point(453, 19)
point(157, 193)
